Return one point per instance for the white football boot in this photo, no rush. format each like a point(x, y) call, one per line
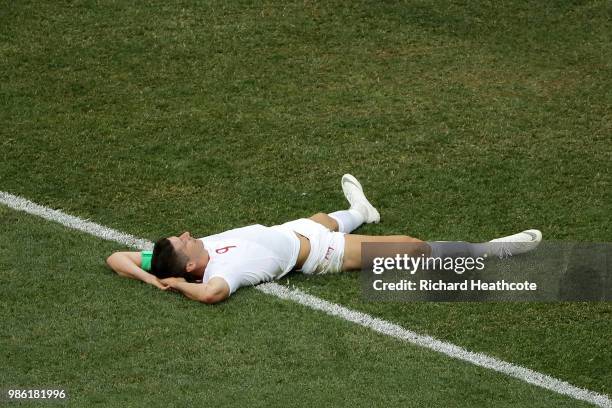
point(520, 243)
point(354, 194)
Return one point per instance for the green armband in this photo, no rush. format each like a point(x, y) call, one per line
point(145, 260)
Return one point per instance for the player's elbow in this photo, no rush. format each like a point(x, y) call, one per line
point(215, 291)
point(112, 260)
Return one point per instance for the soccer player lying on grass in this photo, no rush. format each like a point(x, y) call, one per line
point(210, 269)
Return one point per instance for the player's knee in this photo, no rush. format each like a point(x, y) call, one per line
point(325, 220)
point(319, 217)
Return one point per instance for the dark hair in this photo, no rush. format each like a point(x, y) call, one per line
point(166, 261)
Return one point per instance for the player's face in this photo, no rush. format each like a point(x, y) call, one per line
point(187, 245)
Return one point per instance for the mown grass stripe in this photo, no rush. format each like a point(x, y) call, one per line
point(362, 319)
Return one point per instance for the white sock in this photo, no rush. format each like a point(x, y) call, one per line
point(348, 220)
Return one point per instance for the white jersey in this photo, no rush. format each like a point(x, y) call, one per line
point(250, 255)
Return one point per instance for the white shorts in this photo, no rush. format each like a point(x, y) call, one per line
point(326, 247)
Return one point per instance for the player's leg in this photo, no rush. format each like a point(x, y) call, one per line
point(352, 247)
point(502, 247)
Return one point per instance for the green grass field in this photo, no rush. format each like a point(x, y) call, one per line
point(463, 120)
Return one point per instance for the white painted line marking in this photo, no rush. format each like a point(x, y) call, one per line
point(449, 349)
point(21, 204)
point(362, 319)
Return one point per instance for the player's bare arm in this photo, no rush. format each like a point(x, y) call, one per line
point(215, 291)
point(128, 265)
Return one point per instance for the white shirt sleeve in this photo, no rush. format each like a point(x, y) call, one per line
point(232, 279)
point(246, 273)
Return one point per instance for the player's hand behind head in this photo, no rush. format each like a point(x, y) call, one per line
point(159, 284)
point(171, 281)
